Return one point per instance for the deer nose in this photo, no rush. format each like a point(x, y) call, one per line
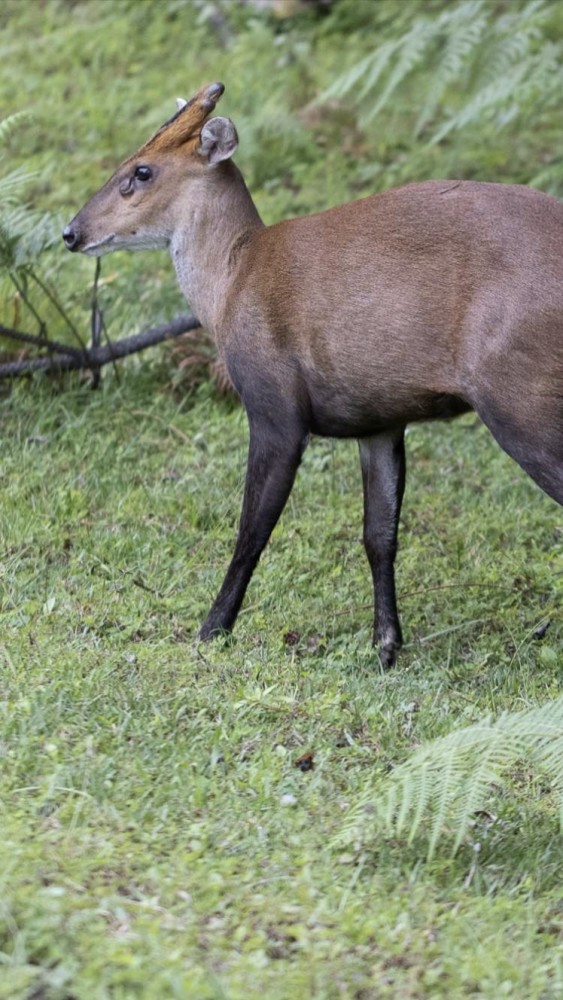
point(70, 237)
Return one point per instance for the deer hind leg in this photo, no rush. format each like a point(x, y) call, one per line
point(383, 472)
point(531, 432)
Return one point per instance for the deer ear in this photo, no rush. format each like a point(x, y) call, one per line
point(218, 140)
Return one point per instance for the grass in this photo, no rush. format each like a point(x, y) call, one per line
point(158, 839)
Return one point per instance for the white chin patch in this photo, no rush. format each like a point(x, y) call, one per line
point(100, 248)
point(115, 242)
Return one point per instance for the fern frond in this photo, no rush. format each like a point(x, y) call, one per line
point(27, 287)
point(485, 68)
point(9, 124)
point(520, 90)
point(464, 28)
point(411, 54)
point(445, 783)
point(513, 36)
point(374, 67)
point(12, 183)
point(373, 64)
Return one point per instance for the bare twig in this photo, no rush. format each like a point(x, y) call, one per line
point(96, 322)
point(143, 586)
point(21, 290)
point(71, 359)
point(96, 311)
point(60, 309)
point(40, 341)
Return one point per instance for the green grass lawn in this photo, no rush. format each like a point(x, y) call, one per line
point(158, 840)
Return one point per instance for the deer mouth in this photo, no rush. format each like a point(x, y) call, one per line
point(97, 248)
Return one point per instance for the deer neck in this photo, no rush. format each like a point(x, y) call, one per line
point(209, 226)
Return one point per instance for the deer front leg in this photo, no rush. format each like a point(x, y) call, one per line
point(383, 472)
point(274, 455)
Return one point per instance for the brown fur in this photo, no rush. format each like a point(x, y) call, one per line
point(413, 304)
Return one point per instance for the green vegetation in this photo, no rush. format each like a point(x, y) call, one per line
point(449, 780)
point(158, 840)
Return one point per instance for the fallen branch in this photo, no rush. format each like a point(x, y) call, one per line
point(40, 341)
point(70, 358)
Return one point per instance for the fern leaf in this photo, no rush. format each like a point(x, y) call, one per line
point(412, 52)
point(447, 781)
point(422, 803)
point(464, 29)
point(349, 80)
point(9, 124)
point(488, 67)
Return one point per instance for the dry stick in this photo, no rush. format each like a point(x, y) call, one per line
point(25, 298)
point(96, 321)
point(98, 325)
point(38, 341)
point(96, 311)
point(102, 355)
point(104, 330)
point(60, 309)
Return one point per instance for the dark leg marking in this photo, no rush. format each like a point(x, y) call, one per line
point(273, 459)
point(383, 472)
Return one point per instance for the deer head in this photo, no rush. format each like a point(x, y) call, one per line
point(135, 209)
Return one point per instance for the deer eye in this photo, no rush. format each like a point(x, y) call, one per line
point(143, 173)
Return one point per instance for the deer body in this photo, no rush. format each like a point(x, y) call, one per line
point(418, 303)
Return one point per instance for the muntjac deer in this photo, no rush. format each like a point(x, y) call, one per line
point(453, 297)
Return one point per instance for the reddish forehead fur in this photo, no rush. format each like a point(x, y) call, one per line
point(187, 122)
